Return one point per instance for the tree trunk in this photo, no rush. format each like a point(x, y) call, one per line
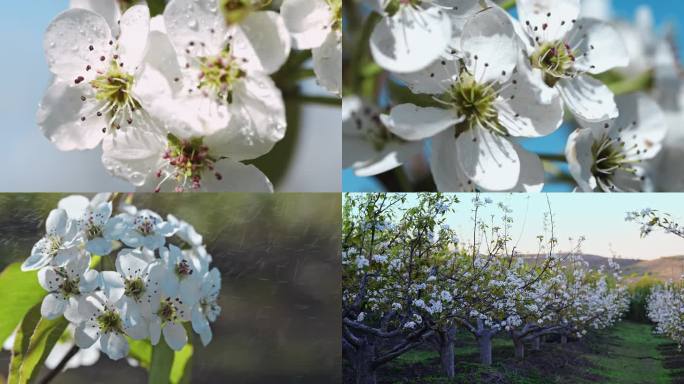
point(484, 340)
point(536, 343)
point(564, 339)
point(446, 351)
point(362, 364)
point(519, 348)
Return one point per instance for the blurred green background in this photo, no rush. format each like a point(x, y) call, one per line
point(279, 259)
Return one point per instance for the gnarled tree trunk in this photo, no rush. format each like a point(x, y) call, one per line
point(362, 363)
point(519, 345)
point(446, 340)
point(536, 343)
point(484, 340)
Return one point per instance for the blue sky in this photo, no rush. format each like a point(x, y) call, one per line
point(664, 12)
point(32, 164)
point(598, 217)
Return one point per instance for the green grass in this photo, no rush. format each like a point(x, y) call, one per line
point(631, 355)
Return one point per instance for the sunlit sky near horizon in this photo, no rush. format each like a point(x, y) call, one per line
point(598, 217)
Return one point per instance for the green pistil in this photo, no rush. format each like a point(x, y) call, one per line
point(235, 11)
point(609, 157)
point(54, 244)
point(114, 90)
point(555, 60)
point(110, 321)
point(134, 288)
point(167, 311)
point(70, 288)
point(393, 6)
point(475, 102)
point(218, 75)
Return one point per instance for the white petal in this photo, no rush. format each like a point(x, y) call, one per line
point(56, 222)
point(588, 98)
point(53, 306)
point(67, 45)
point(99, 246)
point(531, 179)
point(162, 57)
point(175, 336)
point(89, 281)
point(114, 345)
point(49, 279)
point(59, 117)
point(107, 9)
point(258, 122)
point(263, 40)
point(130, 263)
point(392, 155)
point(434, 79)
point(135, 26)
point(523, 110)
point(74, 206)
point(85, 336)
point(557, 15)
point(581, 159)
point(327, 60)
point(72, 313)
point(599, 47)
point(307, 21)
point(411, 39)
point(194, 20)
point(444, 164)
point(411, 122)
point(491, 44)
point(112, 285)
point(133, 155)
point(489, 160)
point(155, 330)
point(236, 177)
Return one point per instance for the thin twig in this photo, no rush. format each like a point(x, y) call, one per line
point(62, 364)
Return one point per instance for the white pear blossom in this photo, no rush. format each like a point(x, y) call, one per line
point(182, 276)
point(369, 147)
point(482, 102)
point(609, 156)
point(565, 50)
point(108, 322)
point(317, 25)
point(207, 310)
point(58, 246)
point(100, 85)
point(66, 285)
point(147, 229)
point(99, 229)
point(168, 316)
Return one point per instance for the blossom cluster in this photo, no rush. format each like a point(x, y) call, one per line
point(665, 307)
point(181, 100)
point(131, 274)
point(481, 79)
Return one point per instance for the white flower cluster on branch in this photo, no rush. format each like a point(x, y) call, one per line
point(154, 275)
point(665, 308)
point(481, 79)
point(182, 100)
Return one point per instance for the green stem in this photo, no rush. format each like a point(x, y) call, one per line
point(642, 82)
point(362, 49)
point(325, 100)
point(508, 4)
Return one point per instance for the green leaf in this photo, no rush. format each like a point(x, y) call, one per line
point(182, 365)
point(162, 360)
point(19, 291)
point(21, 342)
point(141, 350)
point(156, 7)
point(45, 335)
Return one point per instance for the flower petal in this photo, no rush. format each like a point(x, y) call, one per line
point(588, 98)
point(86, 335)
point(175, 336)
point(114, 345)
point(581, 159)
point(56, 222)
point(411, 122)
point(263, 40)
point(236, 177)
point(550, 20)
point(112, 285)
point(307, 20)
point(155, 330)
point(433, 79)
point(193, 21)
point(599, 47)
point(491, 44)
point(489, 160)
point(531, 179)
point(444, 164)
point(133, 155)
point(107, 9)
point(67, 44)
point(132, 43)
point(53, 306)
point(327, 61)
point(411, 39)
point(99, 246)
point(60, 116)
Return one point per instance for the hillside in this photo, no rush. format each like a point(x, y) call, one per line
point(664, 268)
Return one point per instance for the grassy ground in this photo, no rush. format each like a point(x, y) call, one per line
point(627, 353)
